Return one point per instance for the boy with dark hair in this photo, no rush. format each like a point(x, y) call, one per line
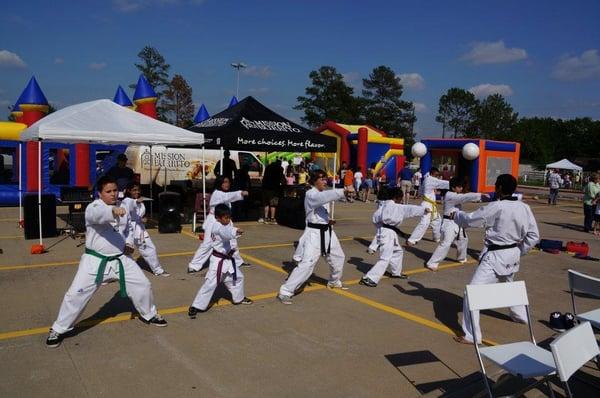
point(386, 220)
point(223, 266)
point(510, 232)
point(451, 232)
point(318, 239)
point(431, 183)
point(108, 244)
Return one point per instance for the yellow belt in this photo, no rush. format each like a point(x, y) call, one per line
point(434, 210)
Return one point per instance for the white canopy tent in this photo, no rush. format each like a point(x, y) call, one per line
point(103, 121)
point(564, 165)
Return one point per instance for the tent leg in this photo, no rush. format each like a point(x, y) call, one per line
point(203, 187)
point(334, 175)
point(20, 186)
point(151, 183)
point(221, 162)
point(40, 189)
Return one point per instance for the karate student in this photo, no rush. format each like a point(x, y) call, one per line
point(223, 264)
point(431, 182)
point(319, 239)
point(451, 232)
point(106, 258)
point(221, 195)
point(386, 219)
point(134, 205)
point(510, 232)
point(374, 245)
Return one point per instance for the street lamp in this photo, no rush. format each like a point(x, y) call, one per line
point(238, 66)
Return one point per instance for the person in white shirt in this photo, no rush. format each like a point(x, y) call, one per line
point(387, 219)
point(318, 239)
point(451, 232)
point(220, 195)
point(108, 245)
point(223, 265)
point(431, 183)
point(358, 178)
point(416, 182)
point(510, 232)
point(554, 182)
point(134, 205)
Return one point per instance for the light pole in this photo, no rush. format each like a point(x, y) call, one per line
point(238, 66)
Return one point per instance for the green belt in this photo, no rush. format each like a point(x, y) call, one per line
point(103, 261)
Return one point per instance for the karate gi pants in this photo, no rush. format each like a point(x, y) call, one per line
point(84, 285)
point(235, 287)
point(310, 256)
point(205, 250)
point(374, 246)
point(485, 274)
point(427, 220)
point(148, 251)
point(450, 234)
point(391, 255)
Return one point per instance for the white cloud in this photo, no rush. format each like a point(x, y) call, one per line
point(493, 53)
point(11, 60)
point(411, 80)
point(351, 77)
point(420, 107)
point(483, 90)
point(97, 65)
point(264, 72)
point(59, 60)
point(587, 66)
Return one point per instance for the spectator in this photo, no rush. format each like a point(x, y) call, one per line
point(446, 174)
point(289, 177)
point(229, 167)
point(368, 184)
point(589, 194)
point(405, 182)
point(567, 182)
point(416, 180)
point(358, 179)
point(554, 182)
point(271, 187)
point(348, 178)
point(284, 165)
point(596, 203)
point(121, 173)
point(302, 176)
point(343, 170)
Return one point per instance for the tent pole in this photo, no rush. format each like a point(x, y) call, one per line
point(166, 160)
point(40, 189)
point(221, 162)
point(203, 186)
point(151, 197)
point(20, 186)
point(334, 175)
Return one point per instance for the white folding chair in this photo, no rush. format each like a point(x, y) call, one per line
point(582, 283)
point(524, 358)
point(573, 349)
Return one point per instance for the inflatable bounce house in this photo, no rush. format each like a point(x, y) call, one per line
point(63, 165)
point(477, 161)
point(364, 145)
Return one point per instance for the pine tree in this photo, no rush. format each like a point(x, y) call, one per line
point(178, 102)
point(156, 70)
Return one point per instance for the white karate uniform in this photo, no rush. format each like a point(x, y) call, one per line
point(107, 235)
point(391, 253)
point(205, 250)
point(316, 213)
point(141, 238)
point(430, 184)
point(506, 222)
point(221, 241)
point(451, 233)
point(374, 246)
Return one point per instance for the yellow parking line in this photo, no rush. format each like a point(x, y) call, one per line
point(11, 237)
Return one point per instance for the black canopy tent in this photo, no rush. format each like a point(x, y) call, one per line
point(251, 126)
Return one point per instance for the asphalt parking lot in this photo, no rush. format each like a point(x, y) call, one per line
point(392, 340)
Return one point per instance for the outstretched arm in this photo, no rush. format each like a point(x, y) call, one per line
point(531, 232)
point(468, 197)
point(220, 197)
point(225, 232)
point(320, 198)
point(97, 213)
point(475, 219)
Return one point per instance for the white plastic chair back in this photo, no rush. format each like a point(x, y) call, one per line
point(496, 295)
point(572, 349)
point(583, 283)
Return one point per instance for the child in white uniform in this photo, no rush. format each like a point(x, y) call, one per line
point(108, 244)
point(137, 211)
point(221, 195)
point(510, 232)
point(451, 233)
point(430, 184)
point(386, 219)
point(223, 264)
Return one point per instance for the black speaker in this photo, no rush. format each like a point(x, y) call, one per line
point(31, 216)
point(169, 219)
point(290, 212)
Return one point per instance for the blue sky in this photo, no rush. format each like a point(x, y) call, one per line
point(543, 56)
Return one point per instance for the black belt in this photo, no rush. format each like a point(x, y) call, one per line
point(396, 230)
point(492, 248)
point(322, 228)
point(223, 257)
point(448, 218)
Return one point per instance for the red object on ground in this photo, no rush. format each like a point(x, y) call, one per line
point(580, 248)
point(37, 249)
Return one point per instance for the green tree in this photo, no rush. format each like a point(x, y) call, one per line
point(457, 111)
point(494, 119)
point(384, 107)
point(178, 102)
point(328, 98)
point(156, 70)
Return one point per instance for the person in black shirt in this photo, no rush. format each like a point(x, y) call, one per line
point(272, 181)
point(121, 173)
point(229, 167)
